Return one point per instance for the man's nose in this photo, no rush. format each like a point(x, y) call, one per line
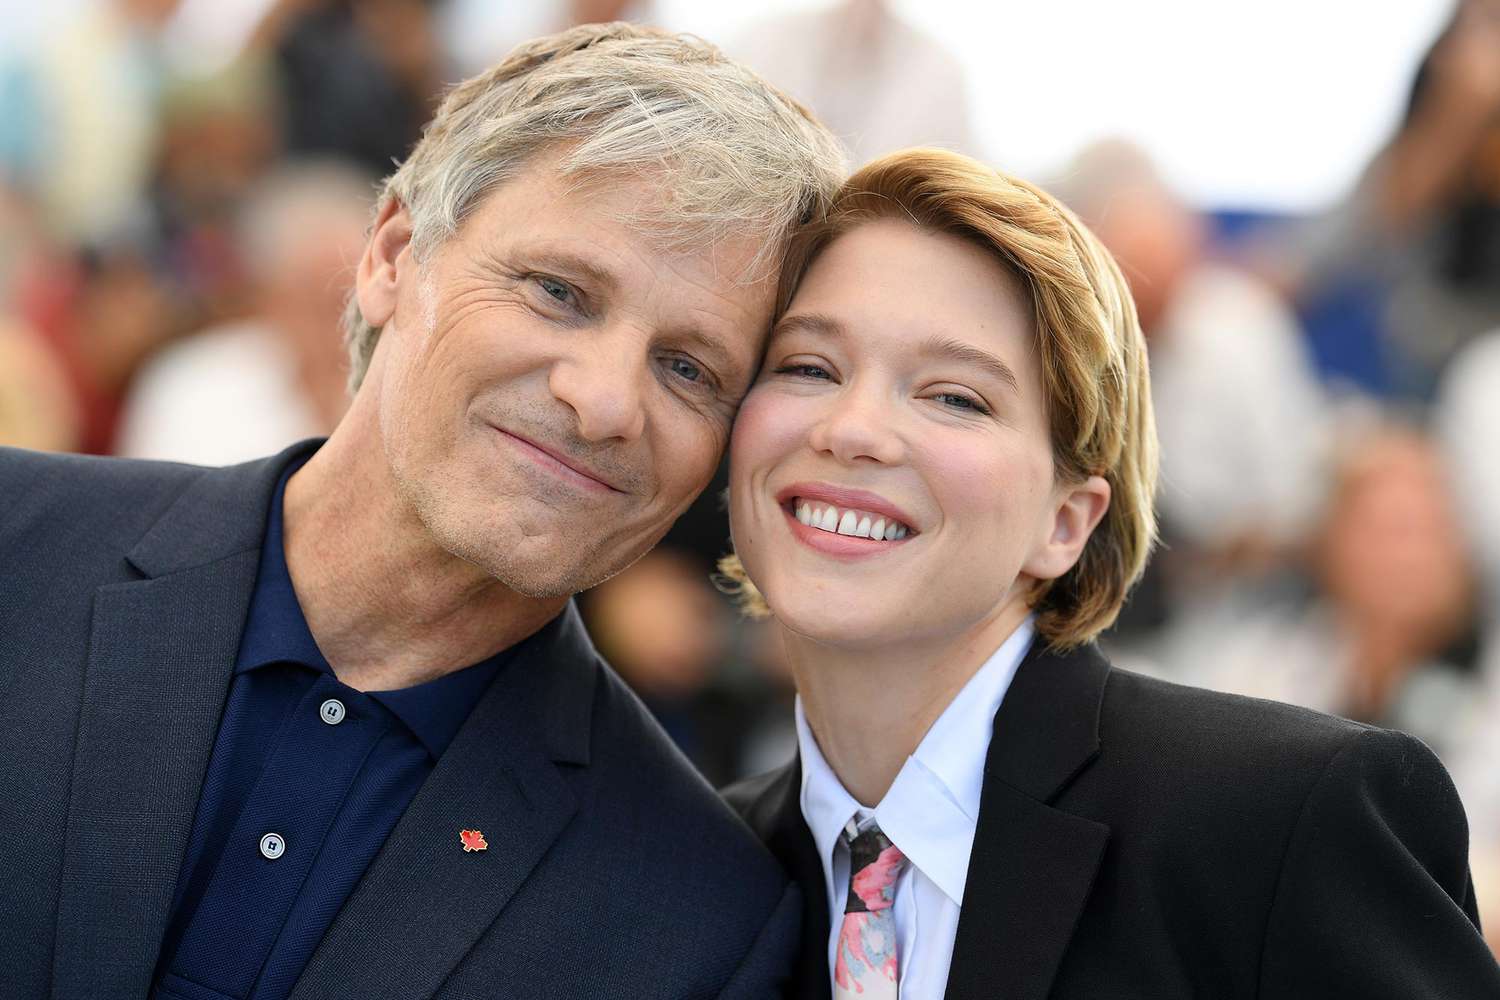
point(605, 381)
point(860, 423)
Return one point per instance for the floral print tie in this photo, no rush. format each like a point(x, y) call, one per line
point(865, 965)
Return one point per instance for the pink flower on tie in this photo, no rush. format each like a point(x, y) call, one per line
point(876, 882)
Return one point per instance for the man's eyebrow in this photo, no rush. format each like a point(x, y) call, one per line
point(566, 263)
point(948, 349)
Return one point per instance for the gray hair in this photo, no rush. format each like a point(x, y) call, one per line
point(733, 154)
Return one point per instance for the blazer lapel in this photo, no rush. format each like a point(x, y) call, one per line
point(161, 656)
point(784, 831)
point(425, 901)
point(1033, 864)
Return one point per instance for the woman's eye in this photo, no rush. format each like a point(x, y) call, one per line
point(805, 371)
point(958, 401)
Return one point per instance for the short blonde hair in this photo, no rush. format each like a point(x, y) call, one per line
point(732, 155)
point(1092, 356)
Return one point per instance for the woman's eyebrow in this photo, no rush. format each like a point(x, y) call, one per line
point(815, 323)
point(948, 349)
point(935, 346)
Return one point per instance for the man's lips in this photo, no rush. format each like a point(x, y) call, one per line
point(570, 468)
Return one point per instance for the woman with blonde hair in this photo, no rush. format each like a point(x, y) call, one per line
point(941, 492)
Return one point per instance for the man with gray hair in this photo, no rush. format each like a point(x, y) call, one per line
point(327, 724)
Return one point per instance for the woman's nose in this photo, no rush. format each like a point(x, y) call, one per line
point(859, 424)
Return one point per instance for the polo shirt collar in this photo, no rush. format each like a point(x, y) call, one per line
point(276, 632)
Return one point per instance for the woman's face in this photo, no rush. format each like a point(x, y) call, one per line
point(901, 397)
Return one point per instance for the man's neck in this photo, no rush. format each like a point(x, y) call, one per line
point(870, 707)
point(389, 607)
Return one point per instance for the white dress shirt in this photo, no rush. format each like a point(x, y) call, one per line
point(929, 812)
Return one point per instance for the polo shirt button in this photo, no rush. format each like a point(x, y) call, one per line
point(272, 846)
point(332, 711)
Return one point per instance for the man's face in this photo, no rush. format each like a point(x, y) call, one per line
point(553, 392)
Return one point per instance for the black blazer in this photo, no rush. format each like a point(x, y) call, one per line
point(612, 869)
point(1143, 839)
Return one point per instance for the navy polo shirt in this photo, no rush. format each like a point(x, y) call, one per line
point(308, 777)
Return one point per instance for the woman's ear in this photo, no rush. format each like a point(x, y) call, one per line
point(380, 265)
point(1077, 511)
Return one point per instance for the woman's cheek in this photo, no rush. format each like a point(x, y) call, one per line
point(768, 423)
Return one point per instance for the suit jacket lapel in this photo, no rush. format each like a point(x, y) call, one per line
point(425, 901)
point(1033, 865)
point(784, 831)
point(161, 656)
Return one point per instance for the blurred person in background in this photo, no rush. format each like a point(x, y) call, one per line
point(79, 123)
point(473, 30)
point(355, 79)
point(1417, 245)
point(1386, 633)
point(100, 313)
point(218, 140)
point(1467, 417)
point(878, 81)
point(251, 387)
point(37, 405)
point(1242, 418)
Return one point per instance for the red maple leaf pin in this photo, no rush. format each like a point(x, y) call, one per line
point(473, 840)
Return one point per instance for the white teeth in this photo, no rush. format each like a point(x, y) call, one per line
point(854, 523)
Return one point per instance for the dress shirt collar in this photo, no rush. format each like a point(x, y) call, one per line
point(931, 809)
point(276, 632)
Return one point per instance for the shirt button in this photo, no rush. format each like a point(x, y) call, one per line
point(272, 846)
point(332, 711)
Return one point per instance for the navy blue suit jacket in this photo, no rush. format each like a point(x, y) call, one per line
point(612, 869)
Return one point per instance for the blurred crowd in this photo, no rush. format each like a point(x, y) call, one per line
point(177, 242)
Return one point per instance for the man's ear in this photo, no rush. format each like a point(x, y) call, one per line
point(385, 255)
point(1078, 511)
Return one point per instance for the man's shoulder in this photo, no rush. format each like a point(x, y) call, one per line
point(642, 775)
point(22, 469)
point(59, 495)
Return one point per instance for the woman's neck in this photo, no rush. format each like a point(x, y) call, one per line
point(869, 707)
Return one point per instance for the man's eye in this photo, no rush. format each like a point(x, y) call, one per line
point(555, 289)
point(685, 369)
